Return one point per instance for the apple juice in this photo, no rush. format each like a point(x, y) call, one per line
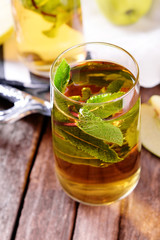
point(44, 29)
point(95, 139)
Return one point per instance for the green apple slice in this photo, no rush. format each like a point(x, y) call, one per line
point(150, 129)
point(155, 101)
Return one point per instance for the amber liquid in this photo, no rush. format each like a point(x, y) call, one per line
point(83, 177)
point(37, 50)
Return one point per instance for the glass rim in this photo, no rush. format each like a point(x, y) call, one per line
point(92, 43)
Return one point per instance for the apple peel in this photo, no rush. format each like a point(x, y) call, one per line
point(150, 126)
point(155, 102)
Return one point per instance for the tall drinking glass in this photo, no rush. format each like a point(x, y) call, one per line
point(95, 101)
point(45, 28)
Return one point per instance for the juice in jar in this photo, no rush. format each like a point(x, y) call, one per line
point(44, 29)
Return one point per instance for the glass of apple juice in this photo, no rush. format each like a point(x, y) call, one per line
point(95, 100)
point(45, 28)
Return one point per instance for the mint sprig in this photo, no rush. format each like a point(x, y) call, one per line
point(88, 144)
point(70, 153)
point(98, 128)
point(104, 97)
point(132, 133)
point(115, 86)
point(107, 109)
point(62, 75)
point(92, 134)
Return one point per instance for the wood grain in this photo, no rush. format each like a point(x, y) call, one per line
point(48, 213)
point(97, 223)
point(141, 215)
point(146, 93)
point(18, 143)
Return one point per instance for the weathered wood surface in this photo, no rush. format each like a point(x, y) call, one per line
point(146, 93)
point(97, 223)
point(48, 213)
point(18, 143)
point(140, 218)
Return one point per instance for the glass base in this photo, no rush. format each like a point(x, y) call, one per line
point(99, 194)
point(39, 68)
point(42, 72)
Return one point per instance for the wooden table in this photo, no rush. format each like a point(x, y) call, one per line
point(34, 207)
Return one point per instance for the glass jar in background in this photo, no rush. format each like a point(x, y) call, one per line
point(45, 28)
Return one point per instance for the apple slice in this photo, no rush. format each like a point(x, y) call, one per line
point(150, 126)
point(155, 102)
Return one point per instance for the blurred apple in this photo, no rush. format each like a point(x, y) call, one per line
point(124, 12)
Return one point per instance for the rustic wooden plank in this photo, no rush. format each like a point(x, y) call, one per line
point(97, 223)
point(146, 93)
point(141, 217)
point(18, 143)
point(48, 213)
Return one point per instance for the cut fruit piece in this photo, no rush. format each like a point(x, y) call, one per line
point(155, 101)
point(6, 22)
point(150, 129)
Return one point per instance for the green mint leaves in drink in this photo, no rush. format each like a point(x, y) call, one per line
point(88, 144)
point(99, 128)
point(62, 75)
point(56, 12)
point(108, 108)
point(91, 122)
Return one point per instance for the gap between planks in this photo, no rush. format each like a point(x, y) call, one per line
point(16, 224)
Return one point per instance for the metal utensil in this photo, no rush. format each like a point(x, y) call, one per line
point(23, 86)
point(24, 104)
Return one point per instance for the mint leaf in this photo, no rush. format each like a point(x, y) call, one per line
point(127, 119)
point(39, 6)
point(62, 76)
point(107, 109)
point(90, 145)
point(27, 4)
point(48, 6)
point(58, 115)
point(115, 86)
point(67, 109)
point(68, 148)
point(62, 106)
point(98, 128)
point(132, 133)
point(70, 153)
point(104, 97)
